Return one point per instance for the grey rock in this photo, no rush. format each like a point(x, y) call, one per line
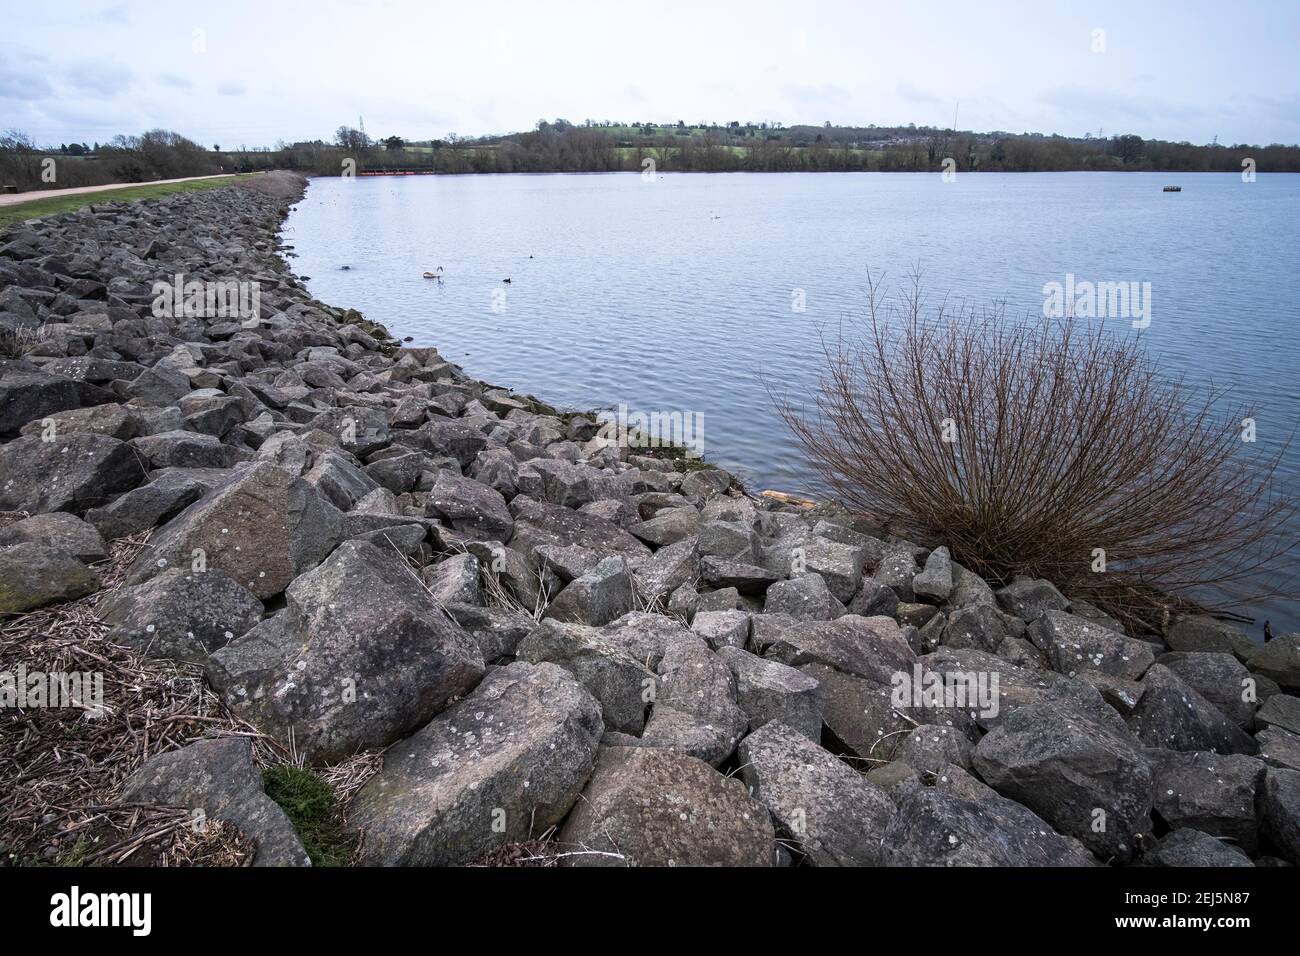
point(1031, 598)
point(1200, 632)
point(721, 629)
point(1075, 644)
point(499, 767)
point(219, 778)
point(1279, 659)
point(58, 530)
point(359, 430)
point(1282, 711)
point(184, 449)
point(934, 583)
point(182, 615)
point(1217, 794)
point(454, 580)
point(359, 658)
point(1280, 811)
point(610, 670)
point(727, 539)
point(539, 523)
point(826, 810)
point(167, 493)
point(670, 568)
point(767, 691)
point(264, 527)
point(932, 747)
point(497, 631)
point(1172, 715)
point(33, 575)
point(933, 828)
point(1218, 677)
point(695, 708)
point(1278, 747)
point(471, 507)
point(868, 647)
point(115, 421)
point(73, 473)
point(980, 626)
point(806, 597)
point(1072, 771)
point(874, 600)
point(725, 573)
point(1190, 848)
point(650, 807)
point(601, 595)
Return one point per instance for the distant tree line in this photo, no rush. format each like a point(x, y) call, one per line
point(156, 154)
point(606, 146)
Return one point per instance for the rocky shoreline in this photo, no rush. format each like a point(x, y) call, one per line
point(558, 639)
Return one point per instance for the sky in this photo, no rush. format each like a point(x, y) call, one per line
point(244, 73)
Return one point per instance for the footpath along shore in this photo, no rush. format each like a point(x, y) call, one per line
point(502, 636)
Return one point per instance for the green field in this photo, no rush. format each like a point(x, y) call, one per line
point(53, 205)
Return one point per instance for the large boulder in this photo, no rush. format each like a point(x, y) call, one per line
point(1192, 848)
point(503, 765)
point(1218, 677)
point(33, 575)
point(1171, 714)
point(934, 828)
point(650, 807)
point(1031, 598)
point(181, 614)
point(614, 673)
point(264, 528)
point(826, 810)
point(72, 473)
point(695, 708)
point(361, 656)
point(934, 583)
point(1279, 659)
point(219, 778)
point(599, 596)
point(1214, 793)
point(538, 523)
point(59, 530)
point(805, 596)
point(30, 393)
point(167, 493)
point(870, 647)
point(1086, 778)
point(471, 507)
point(768, 690)
point(1075, 644)
point(1200, 632)
point(1280, 811)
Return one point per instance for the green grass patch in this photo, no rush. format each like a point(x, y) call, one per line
point(314, 812)
point(38, 207)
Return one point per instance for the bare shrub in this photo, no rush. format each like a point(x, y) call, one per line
point(1040, 447)
point(21, 340)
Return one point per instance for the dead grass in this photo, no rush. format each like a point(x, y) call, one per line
point(62, 768)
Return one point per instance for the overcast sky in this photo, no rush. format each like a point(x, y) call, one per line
point(251, 73)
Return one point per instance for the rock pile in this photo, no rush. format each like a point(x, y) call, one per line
point(365, 548)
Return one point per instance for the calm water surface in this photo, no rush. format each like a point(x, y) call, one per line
point(677, 294)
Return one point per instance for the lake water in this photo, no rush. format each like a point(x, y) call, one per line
point(678, 294)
